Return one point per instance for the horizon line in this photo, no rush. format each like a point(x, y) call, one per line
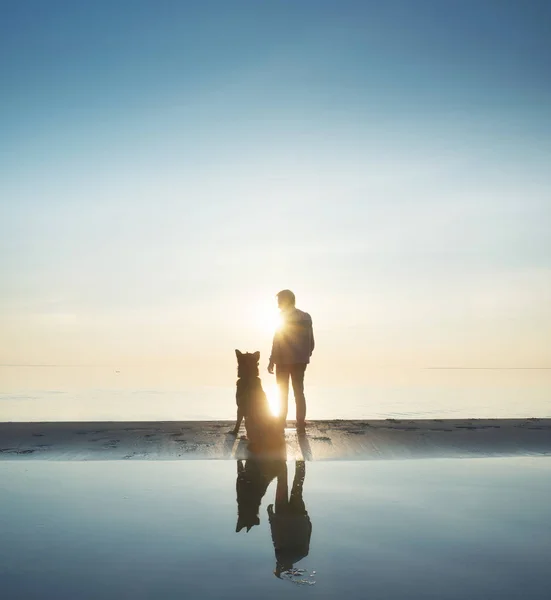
point(15, 365)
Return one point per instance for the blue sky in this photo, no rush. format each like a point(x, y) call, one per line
point(166, 167)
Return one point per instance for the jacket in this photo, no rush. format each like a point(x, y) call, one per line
point(294, 340)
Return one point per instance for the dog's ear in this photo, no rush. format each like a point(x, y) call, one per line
point(251, 525)
point(257, 355)
point(238, 353)
point(240, 525)
point(243, 522)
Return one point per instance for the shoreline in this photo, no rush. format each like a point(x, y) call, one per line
point(324, 440)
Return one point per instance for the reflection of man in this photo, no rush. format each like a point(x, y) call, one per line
point(290, 524)
point(291, 350)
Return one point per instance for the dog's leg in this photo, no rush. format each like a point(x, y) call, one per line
point(240, 416)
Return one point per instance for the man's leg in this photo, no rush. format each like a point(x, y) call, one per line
point(282, 490)
point(297, 379)
point(278, 526)
point(282, 380)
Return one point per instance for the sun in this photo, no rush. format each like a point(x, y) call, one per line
point(268, 320)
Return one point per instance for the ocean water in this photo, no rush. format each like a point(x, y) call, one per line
point(95, 393)
point(433, 529)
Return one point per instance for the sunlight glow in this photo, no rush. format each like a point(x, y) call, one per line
point(272, 393)
point(268, 320)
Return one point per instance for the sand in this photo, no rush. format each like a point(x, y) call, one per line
point(325, 440)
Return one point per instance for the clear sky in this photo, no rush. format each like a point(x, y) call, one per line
point(167, 166)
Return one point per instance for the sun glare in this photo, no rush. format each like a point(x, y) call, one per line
point(273, 397)
point(268, 320)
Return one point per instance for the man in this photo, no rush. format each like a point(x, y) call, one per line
point(291, 350)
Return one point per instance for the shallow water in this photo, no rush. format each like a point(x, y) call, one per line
point(97, 394)
point(443, 529)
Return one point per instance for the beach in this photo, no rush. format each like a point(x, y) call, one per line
point(440, 508)
point(325, 440)
point(334, 212)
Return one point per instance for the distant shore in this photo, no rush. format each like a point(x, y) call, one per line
point(325, 440)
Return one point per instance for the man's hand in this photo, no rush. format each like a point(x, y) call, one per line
point(271, 368)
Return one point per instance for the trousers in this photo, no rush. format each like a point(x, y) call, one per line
point(296, 373)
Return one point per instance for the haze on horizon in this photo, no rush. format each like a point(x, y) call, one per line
point(166, 167)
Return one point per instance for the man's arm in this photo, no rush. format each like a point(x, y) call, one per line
point(272, 356)
point(312, 341)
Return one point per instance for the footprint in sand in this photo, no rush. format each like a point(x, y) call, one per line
point(111, 444)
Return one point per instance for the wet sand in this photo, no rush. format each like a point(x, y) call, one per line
point(324, 440)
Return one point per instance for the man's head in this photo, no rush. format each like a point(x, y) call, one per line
point(285, 299)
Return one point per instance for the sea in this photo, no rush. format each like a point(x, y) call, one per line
point(69, 393)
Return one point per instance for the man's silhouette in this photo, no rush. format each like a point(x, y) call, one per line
point(290, 524)
point(292, 348)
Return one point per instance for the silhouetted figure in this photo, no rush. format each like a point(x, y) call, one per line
point(290, 524)
point(253, 479)
point(263, 429)
point(248, 384)
point(292, 348)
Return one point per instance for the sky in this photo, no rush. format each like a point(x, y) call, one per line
point(166, 167)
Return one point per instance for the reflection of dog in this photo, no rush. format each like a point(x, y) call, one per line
point(253, 480)
point(264, 430)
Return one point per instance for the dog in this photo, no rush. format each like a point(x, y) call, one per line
point(264, 430)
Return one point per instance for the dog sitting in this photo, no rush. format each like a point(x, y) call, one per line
point(264, 430)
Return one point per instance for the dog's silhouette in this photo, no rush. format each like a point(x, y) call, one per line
point(264, 430)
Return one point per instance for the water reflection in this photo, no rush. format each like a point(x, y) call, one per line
point(447, 529)
point(254, 475)
point(290, 524)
